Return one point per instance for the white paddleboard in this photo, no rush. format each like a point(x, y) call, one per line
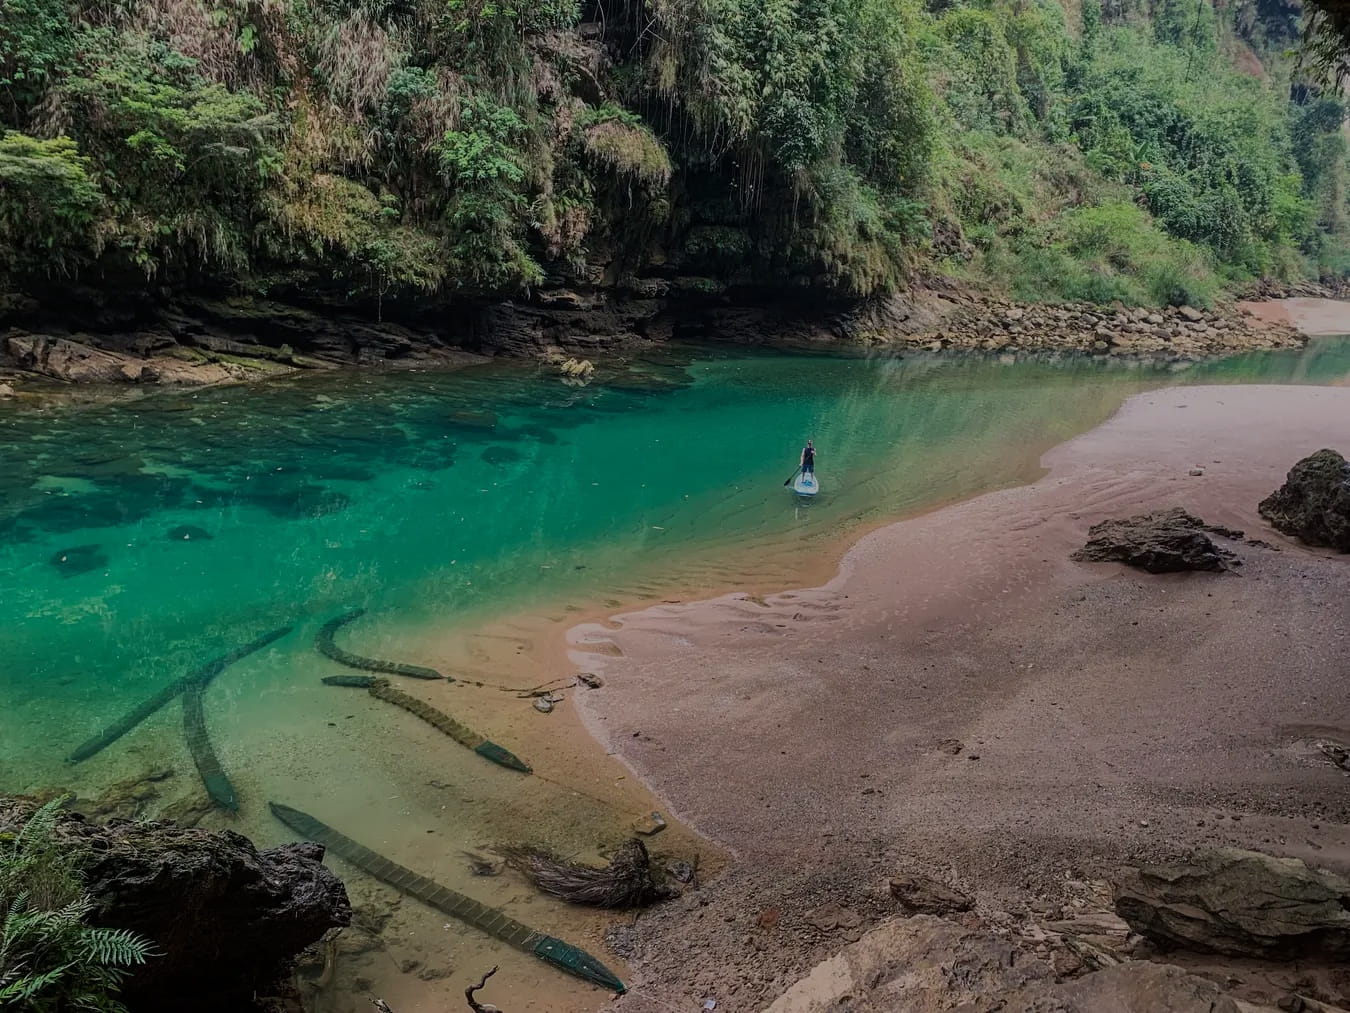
point(806, 485)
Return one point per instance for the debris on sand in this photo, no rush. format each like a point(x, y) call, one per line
point(923, 895)
point(1168, 541)
point(831, 917)
point(649, 826)
point(470, 993)
point(481, 865)
point(627, 882)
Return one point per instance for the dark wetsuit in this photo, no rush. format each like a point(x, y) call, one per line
point(808, 461)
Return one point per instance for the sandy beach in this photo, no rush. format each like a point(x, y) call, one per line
point(1314, 317)
point(963, 698)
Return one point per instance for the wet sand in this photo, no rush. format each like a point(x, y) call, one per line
point(1314, 317)
point(1103, 715)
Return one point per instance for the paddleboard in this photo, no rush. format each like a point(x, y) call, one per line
point(806, 485)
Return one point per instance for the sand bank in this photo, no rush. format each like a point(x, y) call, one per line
point(1314, 317)
point(1101, 715)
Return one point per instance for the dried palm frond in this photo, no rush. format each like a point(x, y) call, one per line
point(628, 881)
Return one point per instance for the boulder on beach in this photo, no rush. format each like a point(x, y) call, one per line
point(1314, 503)
point(1241, 903)
point(926, 965)
point(1164, 542)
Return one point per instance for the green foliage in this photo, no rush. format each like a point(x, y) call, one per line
point(341, 224)
point(1110, 252)
point(619, 141)
point(486, 176)
point(413, 148)
point(51, 959)
point(178, 156)
point(48, 204)
point(978, 69)
point(812, 115)
point(1239, 182)
point(36, 41)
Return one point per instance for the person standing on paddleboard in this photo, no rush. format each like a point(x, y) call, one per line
point(809, 458)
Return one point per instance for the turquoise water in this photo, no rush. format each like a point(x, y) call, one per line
point(429, 497)
point(440, 502)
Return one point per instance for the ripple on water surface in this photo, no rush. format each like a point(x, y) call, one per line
point(140, 540)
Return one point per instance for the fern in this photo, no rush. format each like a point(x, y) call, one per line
point(51, 958)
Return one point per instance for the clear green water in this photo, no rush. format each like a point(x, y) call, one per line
point(441, 501)
point(426, 497)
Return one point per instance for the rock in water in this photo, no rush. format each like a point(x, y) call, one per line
point(1238, 902)
point(500, 455)
point(79, 559)
point(1165, 542)
point(227, 919)
point(189, 533)
point(1314, 502)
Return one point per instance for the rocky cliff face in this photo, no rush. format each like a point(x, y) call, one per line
point(83, 337)
point(227, 919)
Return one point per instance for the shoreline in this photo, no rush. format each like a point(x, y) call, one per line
point(571, 747)
point(769, 695)
point(231, 346)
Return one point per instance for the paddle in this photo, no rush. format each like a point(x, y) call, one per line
point(792, 476)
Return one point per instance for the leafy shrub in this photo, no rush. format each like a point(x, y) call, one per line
point(36, 42)
point(1110, 252)
point(48, 204)
point(486, 176)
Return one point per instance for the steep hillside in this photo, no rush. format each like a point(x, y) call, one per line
point(398, 155)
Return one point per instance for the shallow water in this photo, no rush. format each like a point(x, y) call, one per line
point(142, 539)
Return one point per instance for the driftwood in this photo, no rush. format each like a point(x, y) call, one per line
point(474, 1004)
point(627, 882)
